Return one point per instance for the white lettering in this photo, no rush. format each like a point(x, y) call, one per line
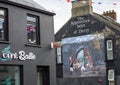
point(80, 22)
point(81, 26)
point(15, 56)
point(80, 18)
point(21, 56)
point(83, 31)
point(31, 56)
point(4, 55)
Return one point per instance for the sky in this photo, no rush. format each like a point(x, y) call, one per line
point(62, 9)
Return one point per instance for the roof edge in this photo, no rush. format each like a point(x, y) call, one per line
point(107, 21)
point(63, 25)
point(27, 7)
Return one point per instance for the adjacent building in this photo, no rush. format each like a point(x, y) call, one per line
point(26, 33)
point(89, 54)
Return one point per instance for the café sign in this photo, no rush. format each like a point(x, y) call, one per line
point(21, 55)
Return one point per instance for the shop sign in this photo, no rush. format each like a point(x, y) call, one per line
point(21, 55)
point(56, 44)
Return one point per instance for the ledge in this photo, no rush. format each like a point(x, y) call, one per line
point(33, 45)
point(5, 42)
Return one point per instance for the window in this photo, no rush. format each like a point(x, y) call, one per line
point(43, 75)
point(3, 25)
point(59, 60)
point(33, 30)
point(109, 43)
point(10, 75)
point(111, 74)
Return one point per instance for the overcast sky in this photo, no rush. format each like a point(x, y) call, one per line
point(63, 9)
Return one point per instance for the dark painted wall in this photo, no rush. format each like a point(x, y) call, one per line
point(45, 56)
point(79, 26)
point(82, 81)
point(96, 26)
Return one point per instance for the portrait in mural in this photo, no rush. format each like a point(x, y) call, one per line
point(84, 56)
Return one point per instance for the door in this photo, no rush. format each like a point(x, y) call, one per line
point(42, 75)
point(111, 82)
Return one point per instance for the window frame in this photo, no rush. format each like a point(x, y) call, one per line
point(6, 28)
point(109, 51)
point(59, 55)
point(20, 72)
point(111, 76)
point(37, 30)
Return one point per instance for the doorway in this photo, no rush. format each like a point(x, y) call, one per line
point(43, 75)
point(111, 82)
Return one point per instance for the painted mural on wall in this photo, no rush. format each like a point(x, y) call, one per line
point(84, 56)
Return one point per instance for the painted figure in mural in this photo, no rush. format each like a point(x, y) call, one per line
point(72, 61)
point(71, 65)
point(81, 60)
point(87, 59)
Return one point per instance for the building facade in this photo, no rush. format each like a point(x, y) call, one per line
point(90, 48)
point(26, 31)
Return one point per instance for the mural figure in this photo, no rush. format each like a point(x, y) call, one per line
point(81, 60)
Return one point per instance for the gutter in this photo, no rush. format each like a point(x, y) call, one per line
point(27, 7)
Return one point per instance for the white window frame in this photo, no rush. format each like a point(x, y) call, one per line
point(111, 75)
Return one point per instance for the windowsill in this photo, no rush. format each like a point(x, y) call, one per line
point(33, 45)
point(59, 63)
point(5, 42)
point(109, 60)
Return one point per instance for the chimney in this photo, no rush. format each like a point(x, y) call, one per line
point(111, 14)
point(82, 7)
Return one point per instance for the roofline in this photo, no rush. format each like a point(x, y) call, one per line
point(63, 25)
point(27, 7)
point(109, 23)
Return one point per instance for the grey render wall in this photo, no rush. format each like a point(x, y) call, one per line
point(18, 38)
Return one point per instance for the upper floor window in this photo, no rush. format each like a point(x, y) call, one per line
point(33, 33)
point(3, 25)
